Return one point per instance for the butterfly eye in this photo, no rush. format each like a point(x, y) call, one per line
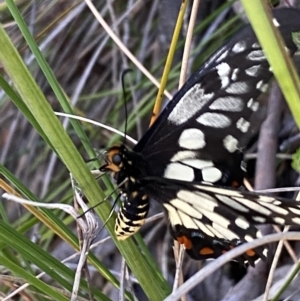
point(116, 159)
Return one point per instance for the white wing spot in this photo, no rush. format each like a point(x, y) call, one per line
point(206, 197)
point(254, 206)
point(253, 71)
point(244, 166)
point(264, 88)
point(230, 143)
point(228, 103)
point(279, 220)
point(222, 56)
point(216, 233)
point(217, 219)
point(182, 155)
point(200, 201)
point(296, 220)
point(173, 215)
point(192, 139)
point(243, 125)
point(275, 22)
point(223, 70)
point(232, 203)
point(220, 191)
point(256, 55)
point(253, 105)
point(238, 88)
point(275, 208)
point(214, 120)
point(268, 199)
point(190, 103)
point(203, 228)
point(239, 47)
point(179, 172)
point(294, 210)
point(227, 233)
point(259, 219)
point(186, 208)
point(248, 238)
point(242, 223)
point(261, 86)
point(234, 75)
point(187, 221)
point(219, 224)
point(211, 174)
point(255, 45)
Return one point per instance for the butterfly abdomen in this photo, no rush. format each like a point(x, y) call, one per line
point(132, 214)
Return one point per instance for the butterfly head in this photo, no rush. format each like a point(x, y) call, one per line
point(122, 164)
point(114, 159)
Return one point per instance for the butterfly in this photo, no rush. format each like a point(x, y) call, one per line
point(191, 160)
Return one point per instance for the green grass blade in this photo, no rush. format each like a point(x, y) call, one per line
point(154, 286)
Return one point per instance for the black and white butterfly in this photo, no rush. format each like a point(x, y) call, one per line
point(191, 157)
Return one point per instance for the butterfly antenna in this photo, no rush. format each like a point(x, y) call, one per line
point(99, 155)
point(125, 103)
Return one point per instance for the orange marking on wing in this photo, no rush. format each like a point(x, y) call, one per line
point(251, 253)
point(206, 251)
point(235, 184)
point(185, 241)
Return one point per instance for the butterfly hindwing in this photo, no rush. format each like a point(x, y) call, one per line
point(199, 246)
point(211, 220)
point(221, 212)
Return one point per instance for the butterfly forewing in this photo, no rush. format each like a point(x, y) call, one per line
point(209, 119)
point(198, 140)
